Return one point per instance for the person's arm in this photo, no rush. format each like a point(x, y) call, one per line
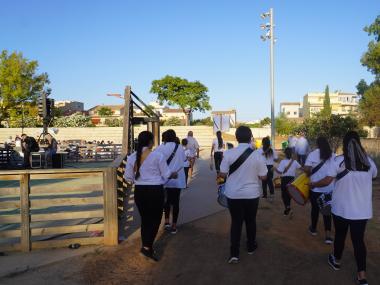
point(323, 182)
point(129, 173)
point(165, 170)
point(212, 150)
point(224, 168)
point(262, 168)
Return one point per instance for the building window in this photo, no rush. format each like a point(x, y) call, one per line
point(287, 113)
point(295, 113)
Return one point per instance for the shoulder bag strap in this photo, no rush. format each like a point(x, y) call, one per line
point(172, 155)
point(289, 165)
point(342, 174)
point(238, 162)
point(315, 169)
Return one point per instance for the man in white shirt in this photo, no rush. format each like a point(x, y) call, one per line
point(243, 190)
point(302, 148)
point(193, 146)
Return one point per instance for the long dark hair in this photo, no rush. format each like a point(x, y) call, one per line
point(355, 157)
point(268, 151)
point(288, 152)
point(220, 139)
point(325, 151)
point(170, 136)
point(145, 138)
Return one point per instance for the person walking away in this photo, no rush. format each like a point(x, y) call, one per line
point(244, 169)
point(175, 157)
point(148, 170)
point(292, 141)
point(351, 204)
point(28, 145)
point(193, 146)
point(317, 166)
point(51, 148)
point(217, 149)
point(270, 157)
point(186, 164)
point(287, 169)
point(302, 148)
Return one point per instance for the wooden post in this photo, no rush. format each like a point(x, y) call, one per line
point(156, 133)
point(127, 102)
point(24, 211)
point(110, 206)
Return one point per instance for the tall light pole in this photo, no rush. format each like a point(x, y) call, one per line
point(269, 35)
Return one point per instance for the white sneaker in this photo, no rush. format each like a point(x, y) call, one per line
point(233, 260)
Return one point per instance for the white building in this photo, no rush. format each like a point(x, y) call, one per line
point(69, 107)
point(291, 109)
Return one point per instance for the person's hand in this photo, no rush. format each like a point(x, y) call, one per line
point(174, 175)
point(311, 185)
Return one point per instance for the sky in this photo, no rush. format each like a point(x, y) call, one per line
point(90, 48)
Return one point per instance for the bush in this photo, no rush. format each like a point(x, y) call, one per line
point(75, 120)
point(203, 122)
point(113, 122)
point(173, 121)
point(284, 126)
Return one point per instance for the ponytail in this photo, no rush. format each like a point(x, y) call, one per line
point(220, 139)
point(144, 139)
point(268, 151)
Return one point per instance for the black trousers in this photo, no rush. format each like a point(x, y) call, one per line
point(315, 212)
point(268, 182)
point(218, 157)
point(172, 200)
point(242, 210)
point(301, 159)
point(186, 173)
point(27, 159)
point(150, 201)
point(285, 180)
point(357, 230)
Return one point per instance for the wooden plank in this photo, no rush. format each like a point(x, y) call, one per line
point(67, 229)
point(10, 219)
point(65, 188)
point(66, 242)
point(15, 204)
point(110, 207)
point(10, 247)
point(67, 215)
point(9, 177)
point(10, 233)
point(50, 171)
point(25, 216)
point(65, 202)
point(9, 191)
point(65, 175)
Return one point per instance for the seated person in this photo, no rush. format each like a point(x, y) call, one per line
point(29, 145)
point(51, 148)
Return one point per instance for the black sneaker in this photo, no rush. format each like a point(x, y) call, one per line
point(361, 281)
point(149, 253)
point(287, 212)
point(312, 231)
point(251, 249)
point(167, 227)
point(233, 260)
point(333, 263)
point(173, 231)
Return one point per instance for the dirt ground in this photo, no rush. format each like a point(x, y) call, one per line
point(287, 254)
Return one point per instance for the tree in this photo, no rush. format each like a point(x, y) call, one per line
point(104, 112)
point(265, 122)
point(173, 121)
point(326, 111)
point(19, 82)
point(203, 122)
point(362, 87)
point(189, 96)
point(284, 126)
point(369, 106)
point(371, 59)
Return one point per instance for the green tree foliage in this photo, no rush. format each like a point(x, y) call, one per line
point(369, 106)
point(326, 111)
point(189, 96)
point(19, 82)
point(75, 120)
point(333, 127)
point(285, 126)
point(371, 59)
point(104, 112)
point(265, 122)
point(203, 122)
point(362, 87)
point(173, 121)
point(113, 122)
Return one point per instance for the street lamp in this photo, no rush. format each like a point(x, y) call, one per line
point(269, 35)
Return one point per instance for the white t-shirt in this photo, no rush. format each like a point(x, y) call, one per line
point(292, 169)
point(292, 141)
point(313, 159)
point(188, 156)
point(302, 146)
point(215, 144)
point(244, 183)
point(176, 164)
point(270, 159)
point(352, 195)
point(153, 171)
point(192, 145)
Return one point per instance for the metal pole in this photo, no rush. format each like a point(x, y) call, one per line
point(22, 117)
point(273, 133)
point(127, 101)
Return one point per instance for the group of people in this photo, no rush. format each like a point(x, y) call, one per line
point(160, 175)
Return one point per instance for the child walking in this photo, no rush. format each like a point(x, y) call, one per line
point(287, 169)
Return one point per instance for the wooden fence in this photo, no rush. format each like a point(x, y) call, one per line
point(43, 213)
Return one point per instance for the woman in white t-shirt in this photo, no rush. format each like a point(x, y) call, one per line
point(148, 171)
point(316, 166)
point(287, 169)
point(270, 157)
point(351, 203)
point(217, 149)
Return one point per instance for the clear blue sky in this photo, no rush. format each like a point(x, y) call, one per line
point(90, 48)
